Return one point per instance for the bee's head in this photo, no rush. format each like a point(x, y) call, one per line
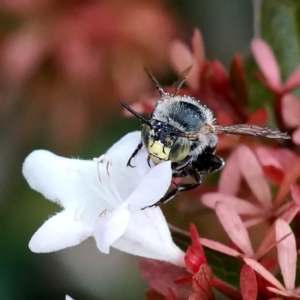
point(163, 143)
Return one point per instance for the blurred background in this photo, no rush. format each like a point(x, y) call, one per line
point(63, 67)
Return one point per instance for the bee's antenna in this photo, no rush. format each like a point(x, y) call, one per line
point(178, 84)
point(157, 85)
point(141, 118)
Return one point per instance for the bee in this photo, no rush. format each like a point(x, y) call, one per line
point(183, 130)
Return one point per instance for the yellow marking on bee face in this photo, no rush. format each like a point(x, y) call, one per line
point(168, 139)
point(158, 152)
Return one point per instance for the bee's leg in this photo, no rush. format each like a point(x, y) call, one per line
point(179, 167)
point(180, 187)
point(207, 163)
point(138, 148)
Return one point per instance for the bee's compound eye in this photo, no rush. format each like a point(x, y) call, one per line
point(145, 135)
point(180, 149)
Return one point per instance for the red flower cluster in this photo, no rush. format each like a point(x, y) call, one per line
point(257, 188)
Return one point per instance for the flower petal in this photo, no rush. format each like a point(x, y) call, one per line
point(152, 187)
point(124, 177)
point(73, 182)
point(239, 205)
point(59, 179)
point(287, 252)
point(260, 269)
point(291, 110)
point(234, 227)
point(266, 61)
point(59, 232)
point(148, 235)
point(254, 177)
point(110, 227)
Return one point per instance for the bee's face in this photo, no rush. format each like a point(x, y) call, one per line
point(163, 143)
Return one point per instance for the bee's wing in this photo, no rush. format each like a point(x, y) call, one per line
point(252, 130)
point(177, 84)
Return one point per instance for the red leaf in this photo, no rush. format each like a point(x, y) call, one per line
point(202, 284)
point(273, 174)
point(214, 75)
point(238, 79)
point(161, 276)
point(259, 117)
point(248, 283)
point(223, 118)
point(154, 295)
point(194, 256)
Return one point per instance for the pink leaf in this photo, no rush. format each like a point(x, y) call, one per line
point(269, 240)
point(291, 110)
point(290, 177)
point(263, 272)
point(293, 81)
point(287, 252)
point(253, 222)
point(267, 157)
point(295, 193)
point(290, 212)
point(254, 176)
point(296, 136)
point(198, 47)
point(181, 58)
point(289, 294)
point(266, 61)
point(239, 205)
point(248, 283)
point(234, 227)
point(219, 247)
point(231, 176)
point(279, 158)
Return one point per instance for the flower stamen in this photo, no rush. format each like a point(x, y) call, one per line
point(103, 213)
point(101, 159)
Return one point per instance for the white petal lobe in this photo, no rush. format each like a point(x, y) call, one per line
point(59, 232)
point(110, 227)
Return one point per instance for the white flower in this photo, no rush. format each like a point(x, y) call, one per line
point(105, 201)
